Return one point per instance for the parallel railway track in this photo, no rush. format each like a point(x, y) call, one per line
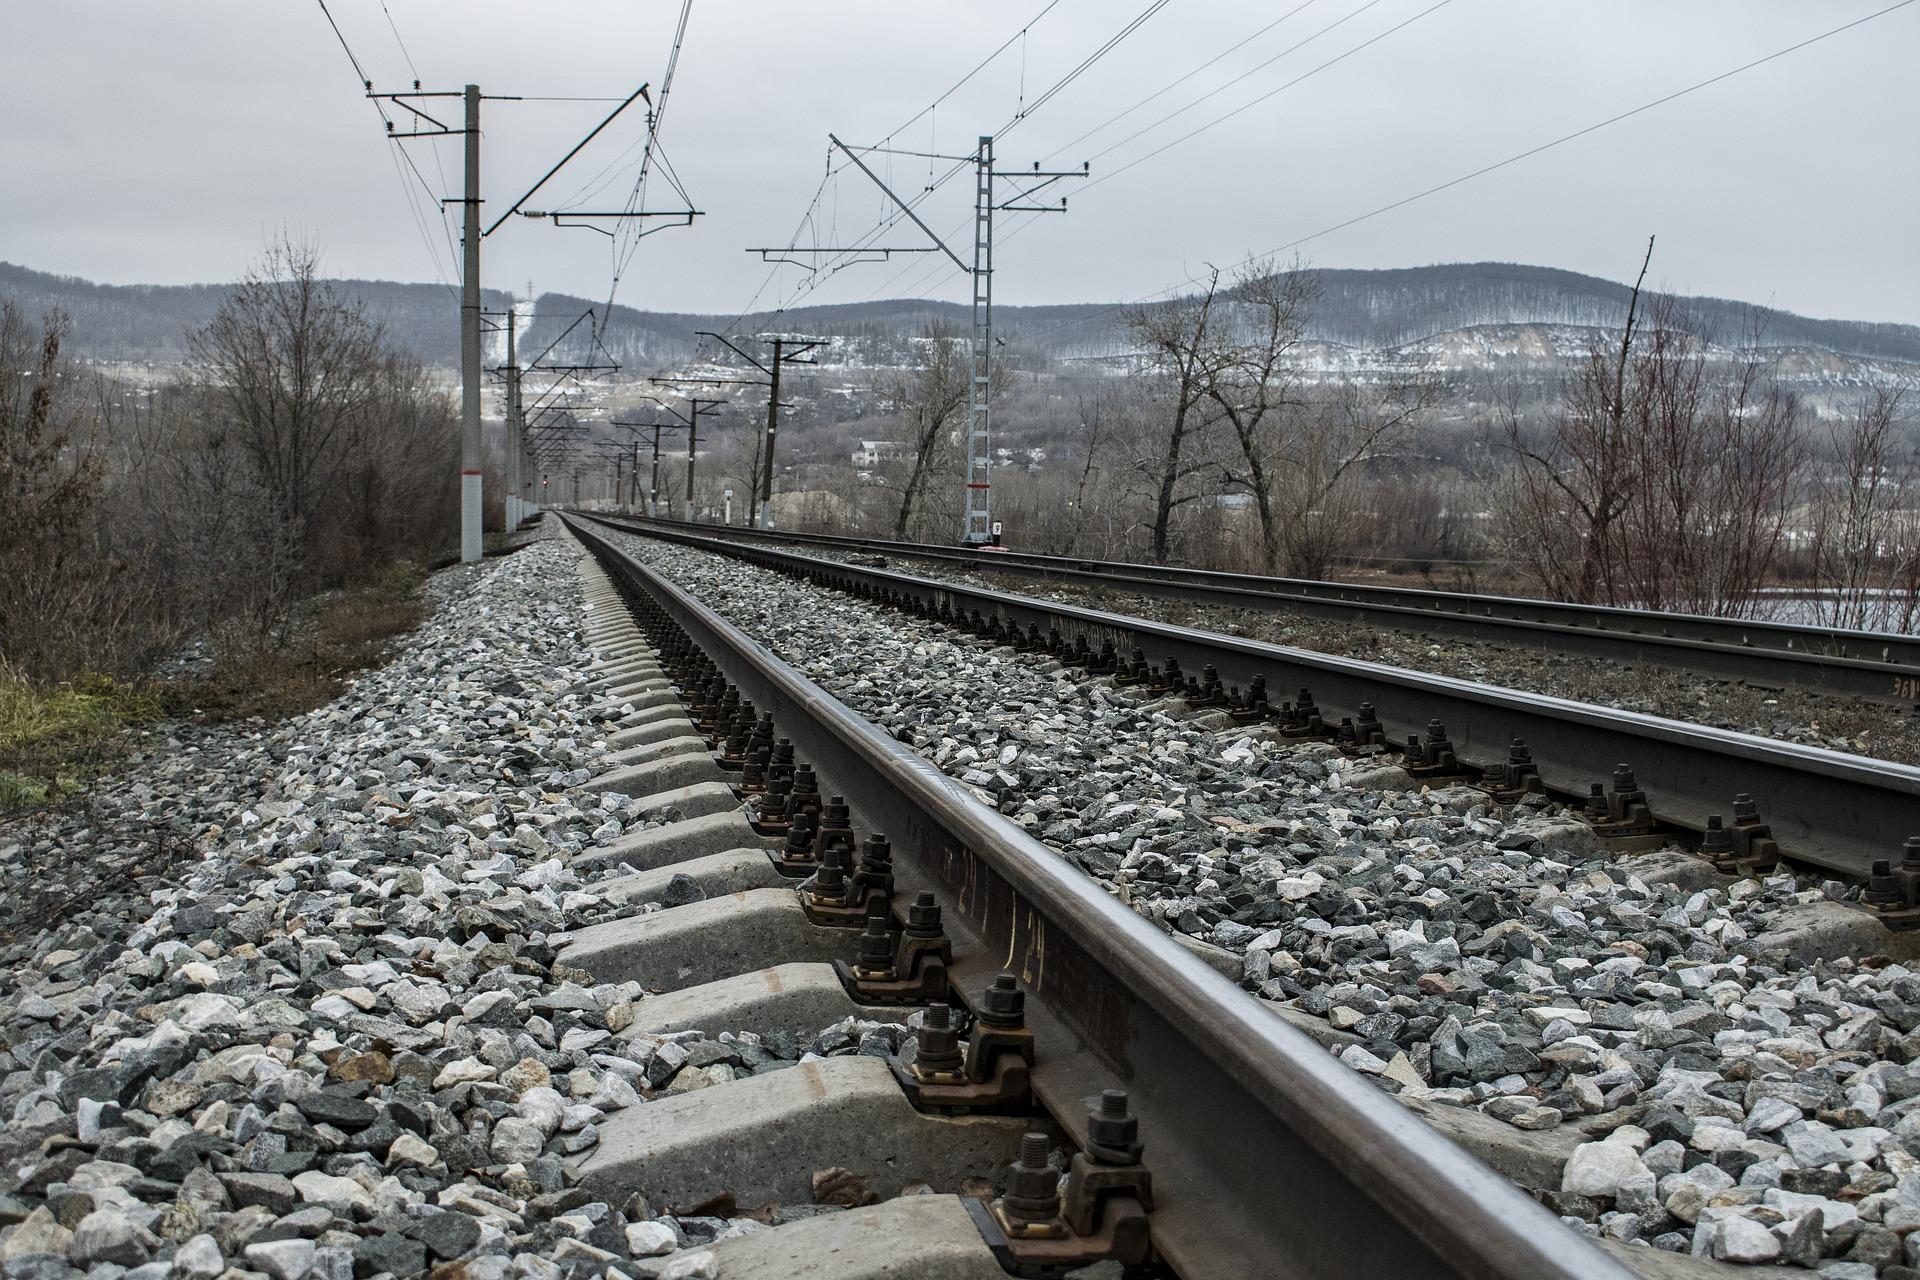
point(1876, 666)
point(1268, 1157)
point(1839, 812)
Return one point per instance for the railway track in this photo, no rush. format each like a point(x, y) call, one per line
point(1266, 1157)
point(1746, 798)
point(1874, 666)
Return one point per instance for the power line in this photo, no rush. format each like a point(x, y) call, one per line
point(1175, 84)
point(957, 84)
point(1279, 89)
point(821, 272)
point(1271, 93)
point(623, 256)
point(391, 26)
point(933, 184)
point(1250, 71)
point(1113, 43)
point(1496, 165)
point(344, 46)
point(413, 207)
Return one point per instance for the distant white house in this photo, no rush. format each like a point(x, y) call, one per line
point(872, 453)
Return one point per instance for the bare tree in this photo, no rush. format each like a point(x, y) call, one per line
point(1570, 488)
point(1331, 441)
point(1095, 417)
point(1667, 476)
point(50, 485)
point(1181, 345)
point(1721, 457)
point(929, 398)
point(297, 371)
point(1251, 380)
point(1865, 519)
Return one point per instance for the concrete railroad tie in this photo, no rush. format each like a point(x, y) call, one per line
point(746, 958)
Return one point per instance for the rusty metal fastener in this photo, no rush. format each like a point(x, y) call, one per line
point(1033, 1186)
point(835, 829)
point(937, 1053)
point(1883, 891)
point(913, 974)
point(1716, 842)
point(1113, 1133)
point(876, 949)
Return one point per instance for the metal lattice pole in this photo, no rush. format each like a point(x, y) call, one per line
point(977, 525)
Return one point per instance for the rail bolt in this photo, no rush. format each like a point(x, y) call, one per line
point(1716, 841)
point(876, 945)
point(1033, 1184)
point(1883, 891)
point(937, 1044)
point(923, 917)
point(1113, 1133)
point(1004, 1004)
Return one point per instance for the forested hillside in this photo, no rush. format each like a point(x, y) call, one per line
point(1366, 309)
point(151, 321)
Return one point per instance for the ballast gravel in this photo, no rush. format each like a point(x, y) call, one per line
point(1836, 722)
point(327, 1036)
point(1745, 1098)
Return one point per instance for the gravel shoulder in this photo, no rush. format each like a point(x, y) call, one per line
point(328, 1035)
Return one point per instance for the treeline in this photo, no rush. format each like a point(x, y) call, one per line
point(1366, 309)
point(304, 449)
point(1671, 469)
point(155, 322)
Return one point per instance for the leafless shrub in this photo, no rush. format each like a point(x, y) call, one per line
point(1666, 475)
point(1864, 517)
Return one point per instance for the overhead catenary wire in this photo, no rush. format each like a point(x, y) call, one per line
point(439, 165)
point(1485, 169)
point(941, 279)
point(623, 257)
point(360, 74)
point(1171, 85)
point(1276, 90)
point(864, 243)
point(832, 171)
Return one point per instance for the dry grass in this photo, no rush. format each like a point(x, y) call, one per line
point(343, 632)
point(54, 739)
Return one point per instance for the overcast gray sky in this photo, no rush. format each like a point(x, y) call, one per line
point(163, 142)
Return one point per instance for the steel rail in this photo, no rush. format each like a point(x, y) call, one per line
point(1832, 810)
point(1270, 1158)
point(1875, 665)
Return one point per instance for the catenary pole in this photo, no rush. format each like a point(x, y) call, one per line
point(471, 459)
point(693, 443)
point(513, 431)
point(764, 498)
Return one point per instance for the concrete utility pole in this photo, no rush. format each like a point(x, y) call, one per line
point(513, 511)
point(691, 421)
point(653, 486)
point(653, 490)
point(763, 492)
point(472, 461)
point(426, 125)
point(786, 350)
point(693, 442)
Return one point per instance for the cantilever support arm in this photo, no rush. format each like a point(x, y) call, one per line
point(904, 207)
